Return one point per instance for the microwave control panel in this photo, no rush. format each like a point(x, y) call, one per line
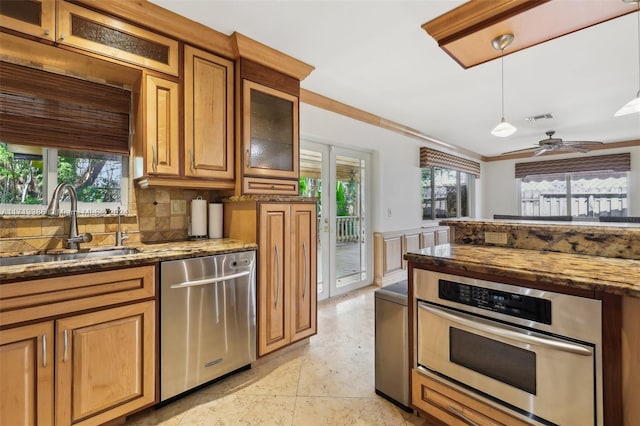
point(515, 305)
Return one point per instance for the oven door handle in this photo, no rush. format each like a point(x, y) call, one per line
point(207, 281)
point(508, 334)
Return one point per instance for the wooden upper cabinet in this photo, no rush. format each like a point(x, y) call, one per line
point(270, 132)
point(26, 375)
point(36, 18)
point(92, 31)
point(162, 149)
point(208, 110)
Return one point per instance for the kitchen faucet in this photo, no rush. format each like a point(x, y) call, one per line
point(120, 236)
point(74, 239)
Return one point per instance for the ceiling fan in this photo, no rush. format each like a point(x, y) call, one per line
point(557, 144)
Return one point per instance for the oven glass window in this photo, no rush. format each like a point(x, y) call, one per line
point(506, 363)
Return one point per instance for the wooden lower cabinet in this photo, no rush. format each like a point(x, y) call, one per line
point(453, 408)
point(105, 365)
point(287, 292)
point(101, 362)
point(286, 233)
point(26, 375)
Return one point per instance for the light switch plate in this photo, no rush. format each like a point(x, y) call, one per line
point(178, 207)
point(495, 238)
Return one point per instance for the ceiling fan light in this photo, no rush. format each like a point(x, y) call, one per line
point(630, 107)
point(503, 129)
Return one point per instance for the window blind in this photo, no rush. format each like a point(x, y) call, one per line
point(431, 157)
point(51, 110)
point(613, 162)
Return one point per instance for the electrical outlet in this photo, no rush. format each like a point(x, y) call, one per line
point(178, 207)
point(495, 238)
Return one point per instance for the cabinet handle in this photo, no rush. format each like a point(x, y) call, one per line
point(461, 416)
point(277, 276)
point(193, 160)
point(65, 345)
point(44, 350)
point(246, 161)
point(306, 278)
point(154, 160)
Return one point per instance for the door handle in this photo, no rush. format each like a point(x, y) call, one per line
point(65, 345)
point(44, 350)
point(305, 277)
point(277, 275)
point(499, 330)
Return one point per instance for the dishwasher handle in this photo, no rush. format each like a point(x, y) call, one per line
point(207, 281)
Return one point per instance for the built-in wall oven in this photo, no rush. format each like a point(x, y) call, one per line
point(537, 354)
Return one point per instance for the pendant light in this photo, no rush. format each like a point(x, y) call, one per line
point(634, 104)
point(504, 128)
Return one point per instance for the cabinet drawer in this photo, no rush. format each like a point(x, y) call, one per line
point(452, 407)
point(42, 298)
point(92, 31)
point(269, 186)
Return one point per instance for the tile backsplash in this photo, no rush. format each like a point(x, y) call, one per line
point(155, 214)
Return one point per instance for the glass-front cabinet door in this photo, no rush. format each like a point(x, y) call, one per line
point(270, 132)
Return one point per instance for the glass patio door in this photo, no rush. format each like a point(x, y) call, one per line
point(339, 179)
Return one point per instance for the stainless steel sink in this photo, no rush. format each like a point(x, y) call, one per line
point(42, 258)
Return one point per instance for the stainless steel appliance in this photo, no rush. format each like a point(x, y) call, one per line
point(392, 344)
point(207, 319)
point(535, 353)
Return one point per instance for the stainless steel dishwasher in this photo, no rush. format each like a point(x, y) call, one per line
point(392, 344)
point(207, 319)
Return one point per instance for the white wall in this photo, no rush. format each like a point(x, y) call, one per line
point(395, 168)
point(500, 191)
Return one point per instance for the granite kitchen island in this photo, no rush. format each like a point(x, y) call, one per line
point(600, 263)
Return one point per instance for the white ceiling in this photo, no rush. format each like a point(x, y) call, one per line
point(374, 55)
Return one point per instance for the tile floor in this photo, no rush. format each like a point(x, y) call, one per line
point(328, 380)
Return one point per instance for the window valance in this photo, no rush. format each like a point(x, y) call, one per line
point(613, 162)
point(431, 157)
point(51, 110)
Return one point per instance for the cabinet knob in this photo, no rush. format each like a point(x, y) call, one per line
point(62, 37)
point(47, 32)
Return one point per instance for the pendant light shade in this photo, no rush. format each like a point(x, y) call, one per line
point(504, 128)
point(634, 104)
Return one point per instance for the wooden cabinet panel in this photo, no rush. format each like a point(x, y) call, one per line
point(36, 18)
point(274, 328)
point(427, 239)
point(162, 127)
point(442, 236)
point(392, 254)
point(303, 271)
point(208, 85)
point(26, 375)
point(410, 242)
point(105, 364)
point(454, 408)
point(105, 35)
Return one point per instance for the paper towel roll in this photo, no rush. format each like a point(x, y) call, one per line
point(198, 217)
point(215, 220)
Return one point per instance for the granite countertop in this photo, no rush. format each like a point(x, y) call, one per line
point(148, 253)
point(611, 275)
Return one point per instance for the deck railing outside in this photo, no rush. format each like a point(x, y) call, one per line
point(347, 229)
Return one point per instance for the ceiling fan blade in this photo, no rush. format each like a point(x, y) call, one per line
point(573, 143)
point(521, 150)
point(569, 148)
point(540, 151)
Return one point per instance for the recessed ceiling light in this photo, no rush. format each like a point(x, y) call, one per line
point(546, 116)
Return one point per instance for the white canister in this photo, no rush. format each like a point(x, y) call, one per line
point(215, 220)
point(198, 217)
